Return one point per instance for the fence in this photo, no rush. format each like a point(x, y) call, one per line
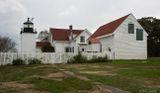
point(46, 58)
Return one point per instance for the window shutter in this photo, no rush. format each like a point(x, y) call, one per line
point(139, 34)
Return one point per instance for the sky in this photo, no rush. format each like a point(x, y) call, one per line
point(82, 14)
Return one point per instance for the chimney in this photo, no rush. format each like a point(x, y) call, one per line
point(28, 19)
point(71, 27)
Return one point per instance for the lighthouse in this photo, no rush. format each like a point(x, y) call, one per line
point(28, 37)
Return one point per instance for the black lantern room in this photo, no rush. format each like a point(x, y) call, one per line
point(28, 27)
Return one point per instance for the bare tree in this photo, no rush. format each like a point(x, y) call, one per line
point(7, 45)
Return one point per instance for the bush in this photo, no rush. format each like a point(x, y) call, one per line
point(78, 59)
point(47, 48)
point(82, 59)
point(18, 62)
point(34, 61)
point(98, 59)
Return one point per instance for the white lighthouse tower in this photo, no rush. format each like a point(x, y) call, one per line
point(28, 37)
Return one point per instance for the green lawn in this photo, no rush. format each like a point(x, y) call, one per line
point(132, 76)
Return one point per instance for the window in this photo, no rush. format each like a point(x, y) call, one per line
point(72, 50)
point(131, 28)
point(82, 49)
point(89, 42)
point(69, 49)
point(100, 47)
point(82, 39)
point(139, 34)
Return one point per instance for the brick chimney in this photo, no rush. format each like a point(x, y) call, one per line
point(71, 27)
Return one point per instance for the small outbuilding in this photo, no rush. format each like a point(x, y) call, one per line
point(123, 38)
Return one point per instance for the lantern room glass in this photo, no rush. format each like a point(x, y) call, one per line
point(28, 25)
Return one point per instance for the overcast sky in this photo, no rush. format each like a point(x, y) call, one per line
point(81, 14)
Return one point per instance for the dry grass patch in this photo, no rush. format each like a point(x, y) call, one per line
point(93, 91)
point(154, 86)
point(57, 75)
point(96, 66)
point(40, 66)
point(97, 89)
point(75, 75)
point(77, 66)
point(19, 87)
point(151, 84)
point(100, 90)
point(101, 66)
point(123, 68)
point(31, 91)
point(84, 67)
point(100, 73)
point(16, 85)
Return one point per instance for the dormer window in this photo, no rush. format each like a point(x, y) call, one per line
point(82, 39)
point(131, 28)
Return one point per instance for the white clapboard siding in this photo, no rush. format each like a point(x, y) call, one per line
point(126, 45)
point(123, 45)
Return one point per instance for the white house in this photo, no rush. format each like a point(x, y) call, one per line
point(66, 40)
point(123, 38)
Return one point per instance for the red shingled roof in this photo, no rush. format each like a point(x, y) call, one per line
point(42, 43)
point(94, 41)
point(108, 28)
point(63, 34)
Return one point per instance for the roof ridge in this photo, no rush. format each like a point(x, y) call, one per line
point(116, 20)
point(67, 29)
point(109, 27)
point(63, 34)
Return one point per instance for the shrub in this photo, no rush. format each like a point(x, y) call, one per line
point(18, 62)
point(47, 48)
point(34, 61)
point(82, 59)
point(98, 59)
point(78, 59)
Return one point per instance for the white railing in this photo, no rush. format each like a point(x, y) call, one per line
point(46, 58)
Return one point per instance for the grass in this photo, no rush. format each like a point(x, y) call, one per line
point(23, 74)
point(68, 84)
point(19, 73)
point(135, 76)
